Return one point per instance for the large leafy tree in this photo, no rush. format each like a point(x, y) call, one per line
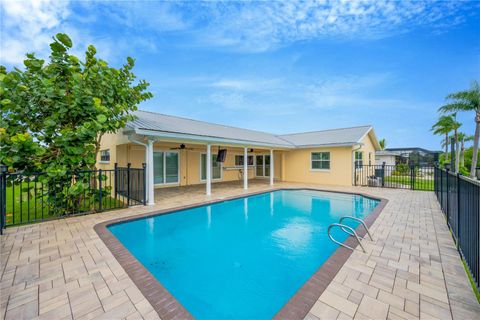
point(468, 100)
point(54, 114)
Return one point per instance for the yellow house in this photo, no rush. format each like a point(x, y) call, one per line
point(179, 152)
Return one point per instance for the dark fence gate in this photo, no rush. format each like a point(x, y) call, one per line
point(39, 196)
point(400, 176)
point(459, 198)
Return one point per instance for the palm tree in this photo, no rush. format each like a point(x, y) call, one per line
point(383, 144)
point(462, 137)
point(443, 127)
point(468, 100)
point(455, 126)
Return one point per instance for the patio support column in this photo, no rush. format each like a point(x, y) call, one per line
point(150, 184)
point(272, 169)
point(209, 170)
point(245, 168)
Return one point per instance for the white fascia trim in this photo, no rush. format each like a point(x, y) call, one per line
point(204, 139)
point(333, 145)
point(375, 141)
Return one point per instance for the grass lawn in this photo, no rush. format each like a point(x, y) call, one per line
point(420, 184)
point(24, 207)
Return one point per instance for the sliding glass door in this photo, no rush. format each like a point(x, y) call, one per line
point(165, 167)
point(262, 166)
point(216, 167)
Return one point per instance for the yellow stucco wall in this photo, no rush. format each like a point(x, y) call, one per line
point(290, 165)
point(298, 166)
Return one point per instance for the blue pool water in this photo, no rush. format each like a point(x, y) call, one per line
point(243, 258)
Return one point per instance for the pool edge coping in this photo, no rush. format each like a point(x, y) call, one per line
point(168, 307)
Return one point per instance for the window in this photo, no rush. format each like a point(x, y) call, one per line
point(216, 167)
point(105, 155)
point(320, 161)
point(358, 159)
point(165, 167)
point(239, 160)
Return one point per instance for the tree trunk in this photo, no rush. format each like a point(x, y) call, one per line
point(475, 146)
point(462, 154)
point(446, 148)
point(457, 153)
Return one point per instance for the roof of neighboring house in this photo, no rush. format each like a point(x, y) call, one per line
point(151, 123)
point(387, 153)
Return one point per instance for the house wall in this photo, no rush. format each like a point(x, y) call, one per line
point(389, 160)
point(290, 165)
point(123, 152)
point(298, 166)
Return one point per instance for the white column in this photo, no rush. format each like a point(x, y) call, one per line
point(272, 169)
point(245, 168)
point(150, 185)
point(209, 170)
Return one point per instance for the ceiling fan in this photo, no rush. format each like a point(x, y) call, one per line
point(181, 147)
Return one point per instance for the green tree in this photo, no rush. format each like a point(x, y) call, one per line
point(444, 126)
point(468, 100)
point(383, 144)
point(54, 114)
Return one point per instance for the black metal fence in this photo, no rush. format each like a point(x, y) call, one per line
point(39, 196)
point(400, 176)
point(459, 198)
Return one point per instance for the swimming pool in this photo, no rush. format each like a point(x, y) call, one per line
point(241, 258)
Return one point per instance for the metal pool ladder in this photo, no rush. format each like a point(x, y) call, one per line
point(350, 231)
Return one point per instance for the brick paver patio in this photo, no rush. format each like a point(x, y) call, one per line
point(61, 269)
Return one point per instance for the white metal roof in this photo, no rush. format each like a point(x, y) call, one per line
point(161, 125)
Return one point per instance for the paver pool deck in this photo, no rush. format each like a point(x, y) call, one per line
point(61, 269)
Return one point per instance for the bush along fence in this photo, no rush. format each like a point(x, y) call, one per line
point(459, 198)
point(39, 196)
point(401, 176)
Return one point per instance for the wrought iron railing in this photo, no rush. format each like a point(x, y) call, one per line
point(39, 196)
point(400, 176)
point(459, 198)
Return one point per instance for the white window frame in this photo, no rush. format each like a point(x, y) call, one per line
point(241, 155)
point(165, 168)
point(329, 161)
point(200, 168)
point(355, 160)
point(109, 156)
point(255, 164)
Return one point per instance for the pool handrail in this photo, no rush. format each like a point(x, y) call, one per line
point(359, 220)
point(353, 233)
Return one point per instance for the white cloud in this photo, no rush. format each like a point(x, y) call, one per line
point(261, 26)
point(27, 27)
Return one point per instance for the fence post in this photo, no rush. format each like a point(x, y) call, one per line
point(100, 190)
point(3, 197)
point(115, 181)
point(412, 176)
point(447, 191)
point(383, 174)
point(458, 210)
point(144, 165)
point(128, 184)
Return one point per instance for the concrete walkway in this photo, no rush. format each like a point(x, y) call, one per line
point(61, 269)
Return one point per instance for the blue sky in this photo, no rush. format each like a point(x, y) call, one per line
point(280, 67)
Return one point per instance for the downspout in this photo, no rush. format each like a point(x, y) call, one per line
point(147, 184)
point(353, 162)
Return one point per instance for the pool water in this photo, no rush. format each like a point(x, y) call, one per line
point(242, 258)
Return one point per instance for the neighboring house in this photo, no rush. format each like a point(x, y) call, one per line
point(183, 151)
point(418, 156)
point(390, 158)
